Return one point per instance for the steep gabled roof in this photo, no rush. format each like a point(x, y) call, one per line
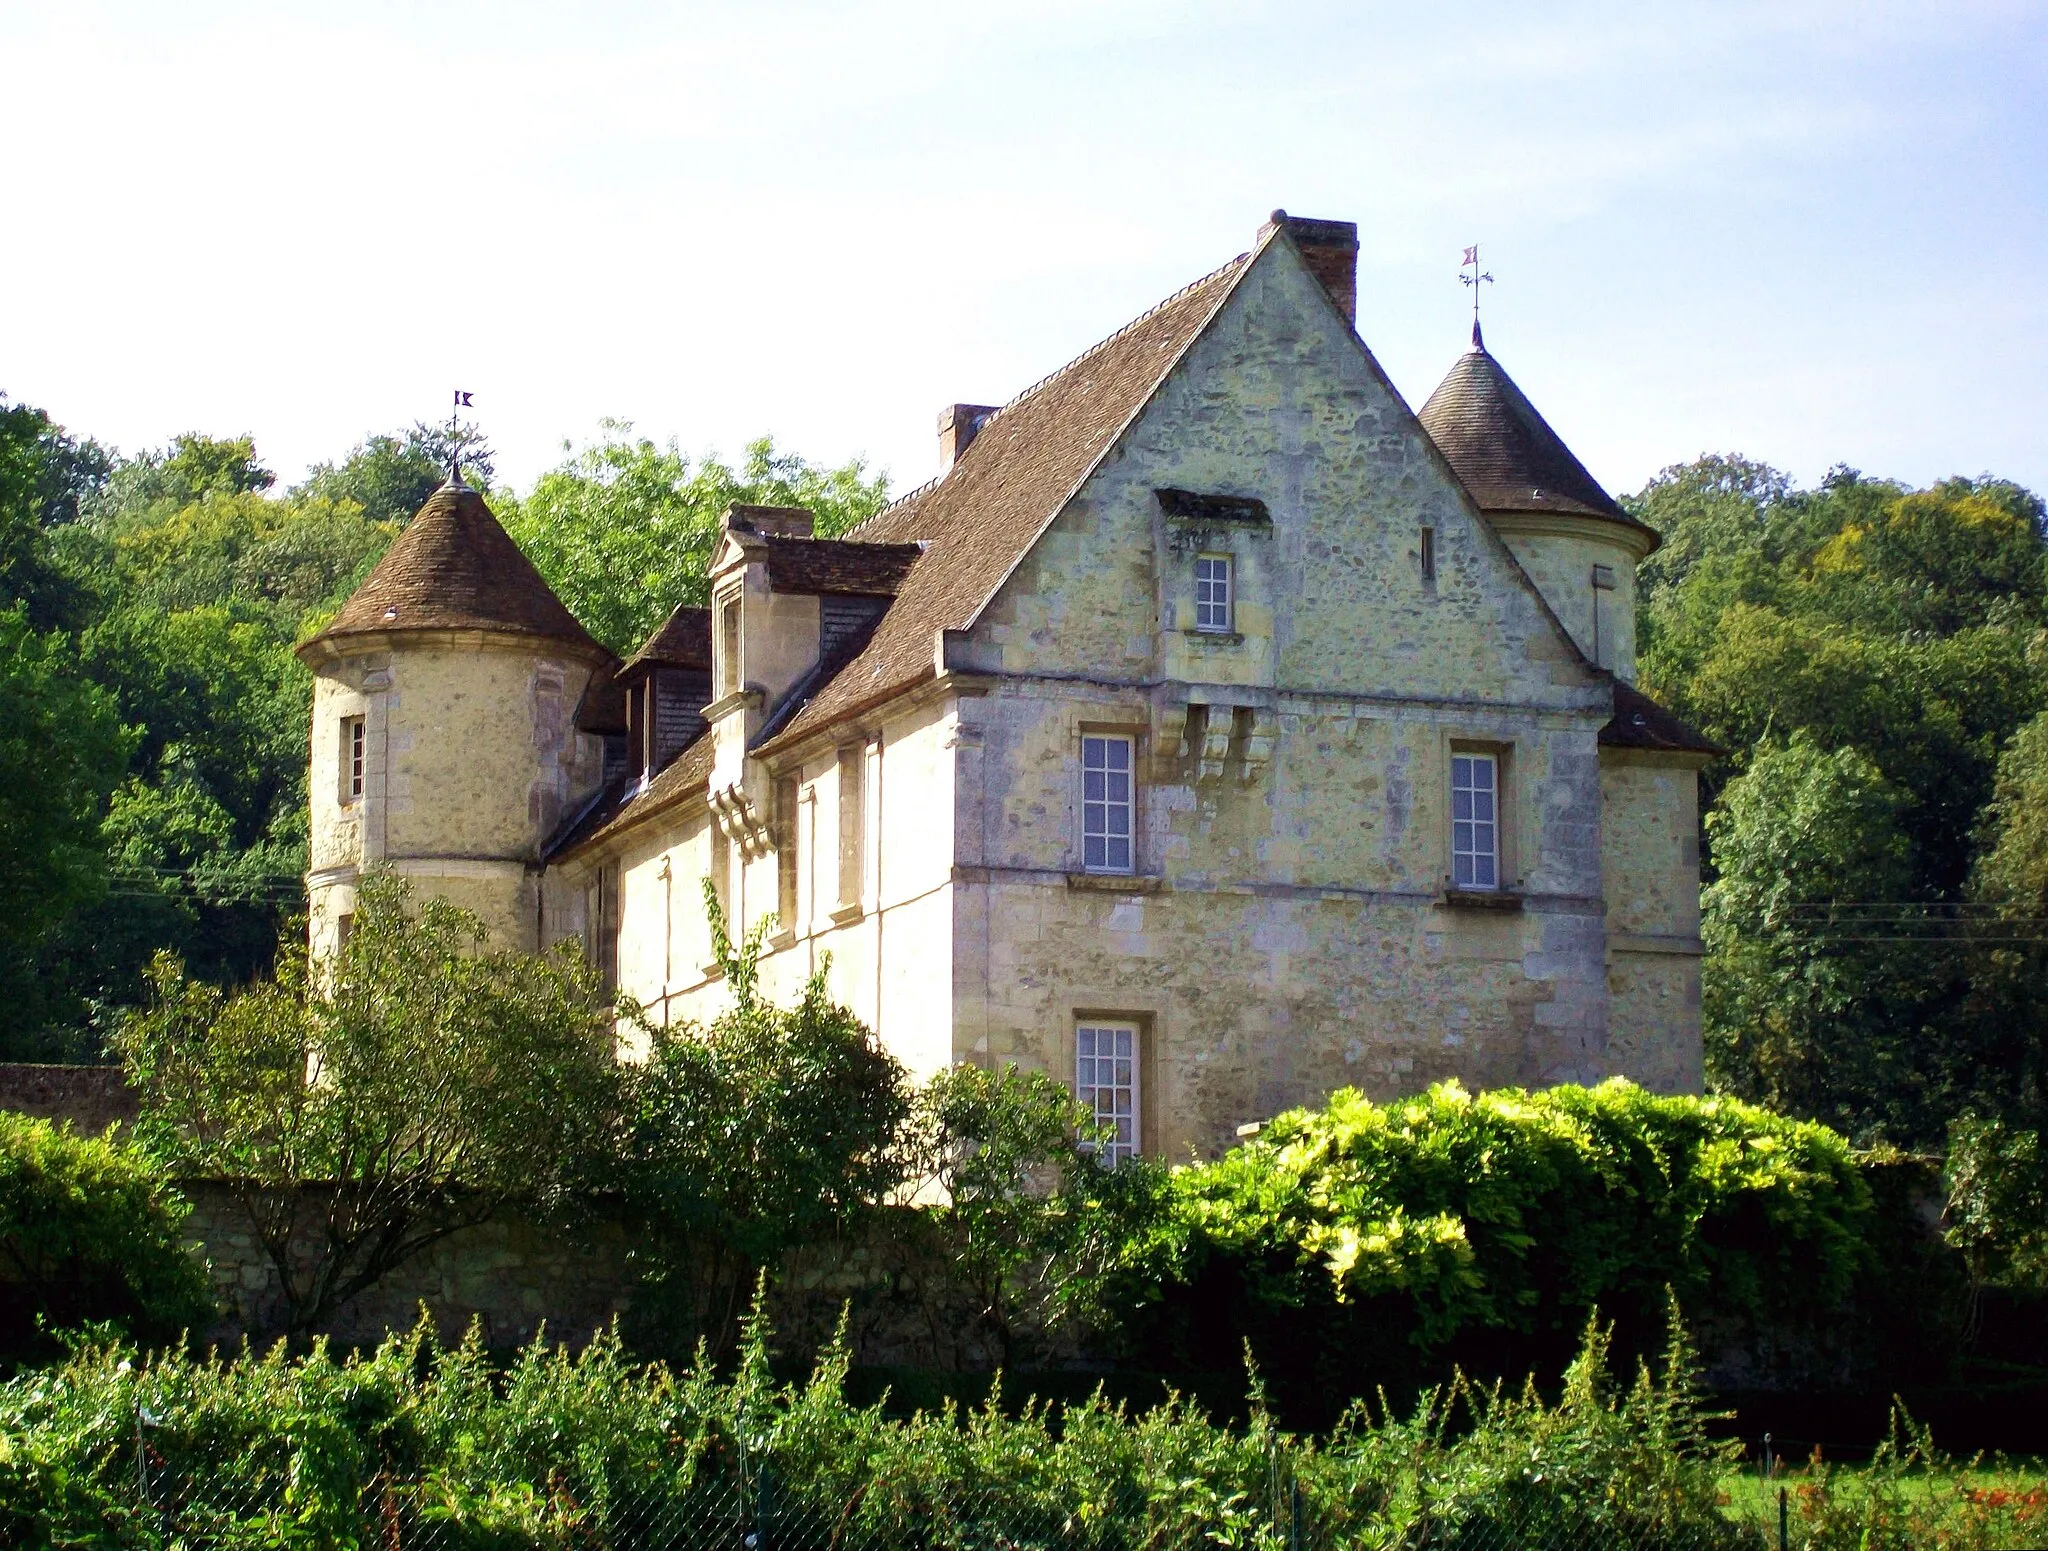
point(682, 641)
point(1504, 452)
point(980, 518)
point(455, 568)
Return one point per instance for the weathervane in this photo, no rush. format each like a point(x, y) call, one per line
point(455, 446)
point(1474, 280)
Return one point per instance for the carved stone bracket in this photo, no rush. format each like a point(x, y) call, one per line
point(1168, 747)
point(741, 822)
point(1258, 745)
point(1215, 744)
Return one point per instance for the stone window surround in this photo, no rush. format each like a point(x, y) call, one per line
point(1093, 1007)
point(1138, 733)
point(1507, 806)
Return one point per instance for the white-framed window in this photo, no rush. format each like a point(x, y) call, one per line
point(1214, 600)
point(1106, 805)
point(1106, 1082)
point(354, 745)
point(1475, 821)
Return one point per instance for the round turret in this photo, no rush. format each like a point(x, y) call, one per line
point(1578, 546)
point(444, 739)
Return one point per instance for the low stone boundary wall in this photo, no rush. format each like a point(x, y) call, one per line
point(90, 1097)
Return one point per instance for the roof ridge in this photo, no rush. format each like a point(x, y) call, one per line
point(1107, 340)
point(1097, 348)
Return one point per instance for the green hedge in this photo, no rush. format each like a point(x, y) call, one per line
point(1365, 1242)
point(88, 1233)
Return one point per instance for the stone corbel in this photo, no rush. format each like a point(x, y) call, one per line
point(1215, 743)
point(1168, 742)
point(1258, 745)
point(740, 822)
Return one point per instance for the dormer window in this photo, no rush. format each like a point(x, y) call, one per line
point(729, 647)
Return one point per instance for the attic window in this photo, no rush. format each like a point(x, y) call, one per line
point(1188, 506)
point(729, 646)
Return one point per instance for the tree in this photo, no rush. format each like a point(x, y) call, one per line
point(1028, 1221)
point(1804, 1012)
point(430, 1084)
point(89, 1232)
point(31, 479)
point(62, 750)
point(390, 477)
point(763, 1131)
point(623, 529)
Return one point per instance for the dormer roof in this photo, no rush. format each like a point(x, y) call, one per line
point(455, 568)
point(682, 641)
point(1503, 451)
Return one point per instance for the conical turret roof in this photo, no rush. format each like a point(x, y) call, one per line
point(455, 568)
point(1504, 451)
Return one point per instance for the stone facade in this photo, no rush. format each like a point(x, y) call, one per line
point(892, 760)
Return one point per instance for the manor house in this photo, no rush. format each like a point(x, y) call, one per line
point(1215, 731)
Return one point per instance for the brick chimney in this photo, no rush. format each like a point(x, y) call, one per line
point(958, 424)
point(789, 522)
point(1331, 249)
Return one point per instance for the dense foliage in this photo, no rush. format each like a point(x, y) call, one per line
point(89, 1233)
point(624, 529)
point(1873, 657)
point(575, 1450)
point(1364, 1238)
point(420, 1086)
point(155, 760)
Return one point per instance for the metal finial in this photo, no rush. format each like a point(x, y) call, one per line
point(1477, 278)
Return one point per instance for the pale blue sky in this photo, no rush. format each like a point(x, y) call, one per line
point(1809, 232)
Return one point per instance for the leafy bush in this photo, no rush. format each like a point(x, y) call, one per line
point(89, 1231)
point(590, 1449)
point(1365, 1241)
point(763, 1131)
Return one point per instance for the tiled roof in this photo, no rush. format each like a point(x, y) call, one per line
point(838, 565)
point(454, 568)
point(683, 641)
point(1504, 451)
point(980, 518)
point(1640, 723)
point(625, 803)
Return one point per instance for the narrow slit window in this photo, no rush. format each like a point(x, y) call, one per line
point(1106, 804)
point(1429, 554)
point(1213, 594)
point(1106, 1083)
point(353, 749)
point(1475, 821)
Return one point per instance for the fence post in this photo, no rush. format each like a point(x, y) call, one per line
point(1293, 1515)
point(1783, 1520)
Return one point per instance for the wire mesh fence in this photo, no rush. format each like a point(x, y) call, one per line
point(317, 1483)
point(727, 1503)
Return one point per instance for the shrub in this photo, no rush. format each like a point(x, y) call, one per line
point(89, 1232)
point(591, 1449)
point(1363, 1241)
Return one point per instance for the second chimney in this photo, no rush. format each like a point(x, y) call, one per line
point(958, 425)
point(1331, 249)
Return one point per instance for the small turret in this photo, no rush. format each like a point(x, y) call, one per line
point(1576, 543)
point(444, 739)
